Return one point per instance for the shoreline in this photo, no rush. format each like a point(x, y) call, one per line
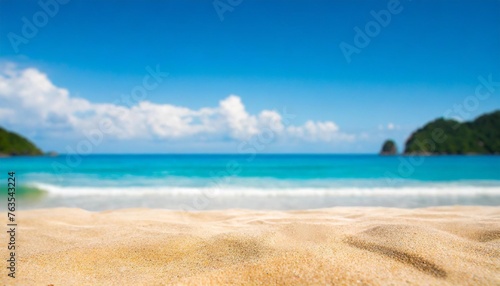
point(344, 245)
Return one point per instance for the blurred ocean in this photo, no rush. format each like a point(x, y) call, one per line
point(203, 182)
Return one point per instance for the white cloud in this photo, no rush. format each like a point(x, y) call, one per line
point(390, 126)
point(240, 123)
point(319, 131)
point(29, 99)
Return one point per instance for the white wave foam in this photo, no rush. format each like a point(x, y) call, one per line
point(431, 190)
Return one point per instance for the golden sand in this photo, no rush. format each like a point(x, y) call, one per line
point(339, 246)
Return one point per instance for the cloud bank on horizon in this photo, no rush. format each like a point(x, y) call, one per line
point(29, 100)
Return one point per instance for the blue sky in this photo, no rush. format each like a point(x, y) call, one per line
point(271, 54)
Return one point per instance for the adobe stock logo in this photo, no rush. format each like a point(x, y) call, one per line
point(223, 6)
point(39, 19)
point(362, 38)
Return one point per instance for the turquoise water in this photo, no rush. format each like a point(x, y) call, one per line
point(198, 182)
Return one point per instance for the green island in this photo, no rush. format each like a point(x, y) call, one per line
point(12, 144)
point(450, 137)
point(389, 148)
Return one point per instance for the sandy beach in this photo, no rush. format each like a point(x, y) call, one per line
point(341, 246)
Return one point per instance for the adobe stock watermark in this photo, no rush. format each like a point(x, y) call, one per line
point(223, 6)
point(372, 29)
point(471, 103)
point(460, 111)
point(251, 147)
point(105, 126)
point(30, 27)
